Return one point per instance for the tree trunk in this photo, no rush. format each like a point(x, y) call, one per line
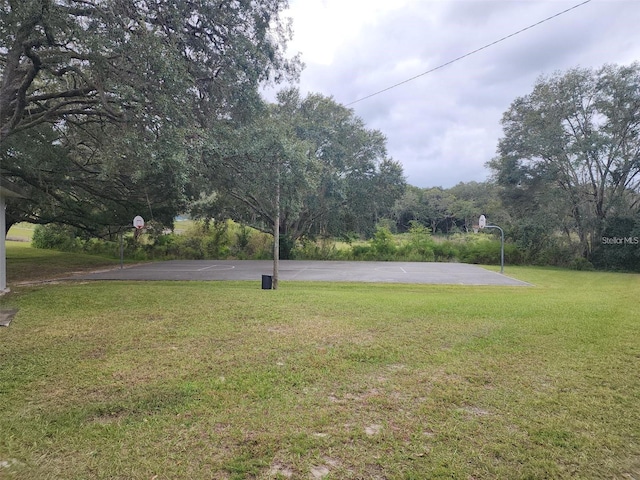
point(276, 230)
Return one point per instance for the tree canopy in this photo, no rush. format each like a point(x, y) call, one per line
point(123, 92)
point(79, 60)
point(91, 186)
point(334, 176)
point(571, 149)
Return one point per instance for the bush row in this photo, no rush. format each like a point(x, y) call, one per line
point(202, 240)
point(228, 240)
point(418, 245)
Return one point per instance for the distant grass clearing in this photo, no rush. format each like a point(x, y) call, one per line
point(21, 232)
point(31, 264)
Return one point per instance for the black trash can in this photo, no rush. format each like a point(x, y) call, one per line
point(267, 282)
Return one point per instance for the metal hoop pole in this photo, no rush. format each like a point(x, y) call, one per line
point(501, 246)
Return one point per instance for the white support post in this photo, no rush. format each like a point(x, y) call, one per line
point(3, 247)
point(7, 189)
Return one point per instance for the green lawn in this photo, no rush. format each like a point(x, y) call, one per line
point(133, 380)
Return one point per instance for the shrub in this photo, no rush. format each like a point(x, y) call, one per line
point(618, 248)
point(260, 246)
point(216, 241)
point(484, 251)
point(582, 263)
point(55, 237)
point(165, 246)
point(383, 244)
point(419, 247)
point(191, 248)
point(557, 254)
point(311, 250)
point(445, 251)
point(243, 237)
point(95, 246)
point(350, 237)
point(361, 252)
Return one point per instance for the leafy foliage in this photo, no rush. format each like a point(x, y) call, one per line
point(447, 211)
point(383, 244)
point(570, 155)
point(96, 187)
point(104, 106)
point(119, 59)
point(332, 172)
point(619, 247)
point(54, 237)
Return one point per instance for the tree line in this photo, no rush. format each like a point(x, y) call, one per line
point(565, 182)
point(114, 108)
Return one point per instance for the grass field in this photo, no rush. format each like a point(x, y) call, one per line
point(21, 232)
point(26, 264)
point(132, 380)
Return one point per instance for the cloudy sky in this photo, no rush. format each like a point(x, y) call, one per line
point(445, 125)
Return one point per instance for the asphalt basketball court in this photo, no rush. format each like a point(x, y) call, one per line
point(318, 271)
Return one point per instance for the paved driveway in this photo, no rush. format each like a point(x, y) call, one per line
point(298, 270)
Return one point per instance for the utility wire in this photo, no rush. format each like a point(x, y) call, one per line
point(469, 54)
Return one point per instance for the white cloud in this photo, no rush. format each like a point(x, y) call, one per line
point(323, 27)
point(444, 126)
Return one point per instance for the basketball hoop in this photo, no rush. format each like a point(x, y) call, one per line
point(482, 223)
point(138, 222)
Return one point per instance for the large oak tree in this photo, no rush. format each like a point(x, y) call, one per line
point(113, 59)
point(335, 179)
point(123, 92)
point(570, 155)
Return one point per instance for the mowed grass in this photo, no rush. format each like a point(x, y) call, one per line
point(167, 380)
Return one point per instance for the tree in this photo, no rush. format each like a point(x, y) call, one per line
point(263, 174)
point(407, 209)
point(571, 149)
point(432, 207)
point(618, 248)
point(109, 60)
point(439, 209)
point(358, 184)
point(444, 210)
point(123, 93)
point(474, 199)
point(341, 180)
point(96, 188)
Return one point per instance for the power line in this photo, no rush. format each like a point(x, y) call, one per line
point(470, 53)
